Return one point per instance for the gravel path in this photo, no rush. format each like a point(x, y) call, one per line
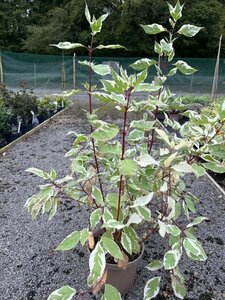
point(30, 270)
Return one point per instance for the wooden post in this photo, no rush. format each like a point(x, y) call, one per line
point(1, 68)
point(63, 72)
point(216, 73)
point(74, 71)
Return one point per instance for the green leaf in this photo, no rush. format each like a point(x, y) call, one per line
point(64, 293)
point(128, 167)
point(96, 25)
point(217, 150)
point(198, 170)
point(105, 132)
point(146, 160)
point(183, 167)
point(101, 69)
point(97, 264)
point(196, 221)
point(169, 160)
point(68, 45)
point(190, 204)
point(87, 13)
point(143, 63)
point(171, 259)
point(147, 87)
point(144, 212)
point(69, 242)
point(126, 242)
point(153, 28)
point(214, 167)
point(163, 135)
point(172, 72)
point(192, 246)
point(176, 11)
point(173, 230)
point(111, 293)
point(134, 219)
point(221, 110)
point(184, 68)
point(189, 30)
point(112, 248)
point(142, 124)
point(155, 265)
point(84, 236)
point(178, 287)
point(39, 173)
point(143, 200)
point(158, 49)
point(152, 288)
point(116, 46)
point(97, 195)
point(95, 217)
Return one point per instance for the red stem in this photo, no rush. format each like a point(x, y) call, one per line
point(90, 50)
point(124, 133)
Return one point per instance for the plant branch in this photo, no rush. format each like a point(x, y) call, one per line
point(124, 133)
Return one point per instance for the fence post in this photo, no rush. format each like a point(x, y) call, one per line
point(216, 73)
point(1, 68)
point(63, 72)
point(74, 71)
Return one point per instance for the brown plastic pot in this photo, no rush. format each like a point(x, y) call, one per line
point(123, 279)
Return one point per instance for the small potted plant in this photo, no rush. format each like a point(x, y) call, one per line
point(133, 175)
point(5, 127)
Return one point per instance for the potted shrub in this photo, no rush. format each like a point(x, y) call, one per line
point(133, 176)
point(5, 127)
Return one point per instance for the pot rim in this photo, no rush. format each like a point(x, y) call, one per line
point(131, 263)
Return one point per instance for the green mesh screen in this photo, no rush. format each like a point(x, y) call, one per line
point(44, 73)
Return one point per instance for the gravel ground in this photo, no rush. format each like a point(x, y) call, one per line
point(30, 270)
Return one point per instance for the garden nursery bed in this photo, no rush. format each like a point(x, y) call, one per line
point(30, 269)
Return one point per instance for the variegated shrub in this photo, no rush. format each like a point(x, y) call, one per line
point(134, 175)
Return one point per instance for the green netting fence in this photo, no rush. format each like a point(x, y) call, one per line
point(52, 73)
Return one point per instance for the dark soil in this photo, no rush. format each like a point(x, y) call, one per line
point(31, 270)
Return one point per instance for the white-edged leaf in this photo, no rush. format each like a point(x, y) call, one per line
point(143, 63)
point(152, 288)
point(189, 30)
point(173, 230)
point(184, 68)
point(68, 45)
point(155, 265)
point(178, 287)
point(95, 217)
point(153, 28)
point(116, 46)
point(101, 69)
point(39, 173)
point(143, 200)
point(183, 167)
point(112, 248)
point(171, 259)
point(84, 234)
point(111, 293)
point(134, 219)
point(162, 228)
point(193, 246)
point(126, 242)
point(87, 13)
point(70, 241)
point(64, 293)
point(97, 263)
point(146, 160)
point(196, 221)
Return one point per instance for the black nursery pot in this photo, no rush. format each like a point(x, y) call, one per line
point(12, 137)
point(26, 128)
